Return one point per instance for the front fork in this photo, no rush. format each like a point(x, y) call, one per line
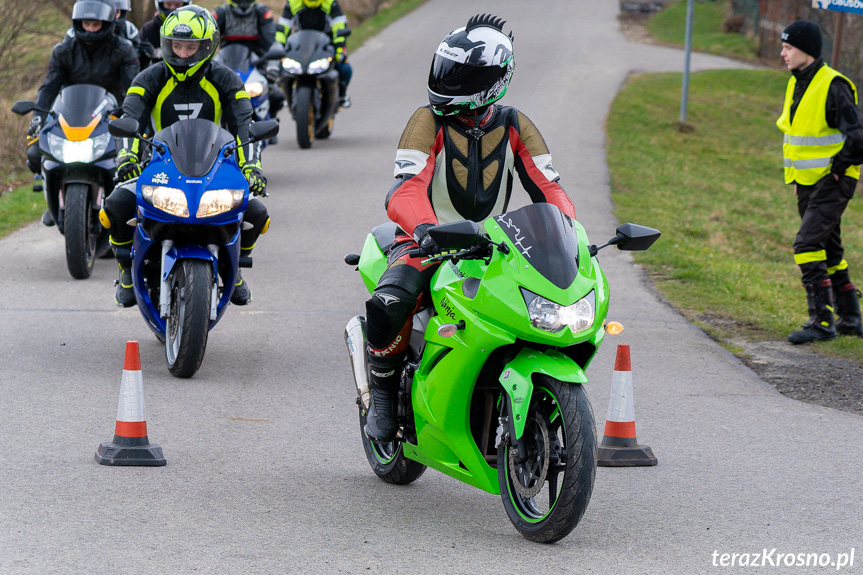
point(167, 269)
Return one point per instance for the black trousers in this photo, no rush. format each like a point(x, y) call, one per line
point(818, 245)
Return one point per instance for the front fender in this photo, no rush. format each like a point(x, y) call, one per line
point(517, 381)
point(185, 252)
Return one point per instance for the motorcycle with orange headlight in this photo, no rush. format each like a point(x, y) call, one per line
point(77, 169)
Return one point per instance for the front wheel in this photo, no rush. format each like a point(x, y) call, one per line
point(305, 115)
point(547, 493)
point(82, 231)
point(189, 321)
point(388, 460)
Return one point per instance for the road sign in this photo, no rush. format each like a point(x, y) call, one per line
point(853, 6)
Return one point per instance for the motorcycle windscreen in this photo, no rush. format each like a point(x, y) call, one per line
point(307, 45)
point(195, 145)
point(237, 57)
point(80, 103)
point(543, 235)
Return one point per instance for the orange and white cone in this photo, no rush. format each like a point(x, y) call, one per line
point(131, 446)
point(619, 447)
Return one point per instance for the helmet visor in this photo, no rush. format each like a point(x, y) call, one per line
point(124, 5)
point(92, 10)
point(450, 78)
point(184, 53)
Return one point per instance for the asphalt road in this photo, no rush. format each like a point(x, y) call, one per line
point(266, 473)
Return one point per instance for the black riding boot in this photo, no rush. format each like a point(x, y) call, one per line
point(125, 295)
point(242, 292)
point(382, 419)
point(819, 297)
point(848, 309)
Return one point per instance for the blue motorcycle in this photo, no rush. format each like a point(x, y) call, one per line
point(186, 250)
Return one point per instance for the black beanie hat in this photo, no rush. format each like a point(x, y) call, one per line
point(805, 36)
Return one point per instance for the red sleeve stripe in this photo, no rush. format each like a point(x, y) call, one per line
point(410, 206)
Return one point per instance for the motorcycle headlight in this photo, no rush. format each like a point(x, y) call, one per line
point(319, 65)
point(552, 317)
point(254, 89)
point(169, 200)
point(215, 202)
point(85, 151)
point(292, 66)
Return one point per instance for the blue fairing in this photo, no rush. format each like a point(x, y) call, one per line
point(196, 146)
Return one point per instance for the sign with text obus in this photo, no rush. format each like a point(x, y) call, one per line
point(853, 6)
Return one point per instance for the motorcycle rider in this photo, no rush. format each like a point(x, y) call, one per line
point(455, 161)
point(150, 31)
point(130, 32)
point(253, 25)
point(92, 54)
point(185, 84)
point(325, 16)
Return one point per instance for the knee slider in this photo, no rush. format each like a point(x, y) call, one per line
point(391, 304)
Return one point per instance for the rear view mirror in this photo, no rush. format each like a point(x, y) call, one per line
point(123, 128)
point(264, 130)
point(455, 236)
point(22, 107)
point(635, 238)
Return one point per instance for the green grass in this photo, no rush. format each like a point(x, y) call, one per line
point(669, 27)
point(19, 206)
point(717, 194)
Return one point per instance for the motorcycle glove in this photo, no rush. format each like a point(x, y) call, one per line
point(273, 72)
point(341, 55)
point(128, 169)
point(424, 240)
point(257, 181)
point(34, 127)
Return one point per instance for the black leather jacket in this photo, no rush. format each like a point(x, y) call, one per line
point(112, 65)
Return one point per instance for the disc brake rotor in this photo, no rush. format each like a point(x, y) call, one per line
point(528, 477)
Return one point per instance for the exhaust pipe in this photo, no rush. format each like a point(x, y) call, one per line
point(355, 339)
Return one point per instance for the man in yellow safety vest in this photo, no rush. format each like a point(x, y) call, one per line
point(823, 150)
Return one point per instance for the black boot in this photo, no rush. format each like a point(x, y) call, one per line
point(819, 297)
point(47, 218)
point(242, 293)
point(847, 299)
point(125, 295)
point(382, 419)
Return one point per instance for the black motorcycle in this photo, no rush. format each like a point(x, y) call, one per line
point(77, 169)
point(311, 84)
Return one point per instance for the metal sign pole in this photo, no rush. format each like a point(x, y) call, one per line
point(690, 7)
point(837, 40)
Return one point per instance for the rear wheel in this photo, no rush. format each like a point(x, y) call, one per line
point(546, 494)
point(189, 321)
point(82, 231)
point(388, 460)
point(305, 116)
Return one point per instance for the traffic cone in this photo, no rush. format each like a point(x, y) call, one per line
point(619, 447)
point(131, 445)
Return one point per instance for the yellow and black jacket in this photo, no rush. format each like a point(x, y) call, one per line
point(157, 100)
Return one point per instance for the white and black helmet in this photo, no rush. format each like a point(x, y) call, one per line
point(471, 67)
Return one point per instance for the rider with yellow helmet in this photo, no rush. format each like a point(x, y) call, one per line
point(186, 84)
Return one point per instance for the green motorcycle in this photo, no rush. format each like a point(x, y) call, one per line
point(492, 392)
